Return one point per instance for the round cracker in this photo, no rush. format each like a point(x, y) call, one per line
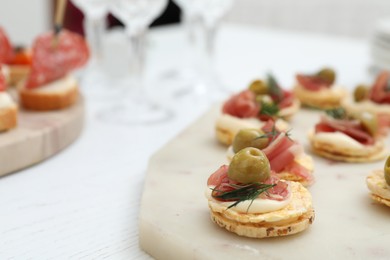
point(370, 153)
point(351, 159)
point(300, 203)
point(380, 200)
point(258, 231)
point(322, 99)
point(377, 184)
point(365, 106)
point(224, 136)
point(293, 218)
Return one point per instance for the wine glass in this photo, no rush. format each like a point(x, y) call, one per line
point(95, 12)
point(94, 81)
point(134, 106)
point(205, 16)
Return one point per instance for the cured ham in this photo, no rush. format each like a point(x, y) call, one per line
point(287, 100)
point(219, 176)
point(242, 105)
point(352, 128)
point(263, 106)
point(380, 91)
point(299, 170)
point(222, 183)
point(53, 58)
point(282, 152)
point(311, 83)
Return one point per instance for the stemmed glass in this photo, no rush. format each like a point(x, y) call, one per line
point(134, 105)
point(95, 12)
point(206, 15)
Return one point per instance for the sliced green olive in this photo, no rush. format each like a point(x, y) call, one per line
point(258, 87)
point(248, 166)
point(387, 170)
point(328, 75)
point(360, 93)
point(369, 121)
point(249, 138)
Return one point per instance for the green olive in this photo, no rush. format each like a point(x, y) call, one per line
point(258, 87)
point(249, 165)
point(387, 170)
point(360, 93)
point(369, 121)
point(249, 138)
point(328, 75)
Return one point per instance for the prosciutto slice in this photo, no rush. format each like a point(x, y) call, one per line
point(352, 128)
point(287, 100)
point(380, 92)
point(222, 183)
point(242, 105)
point(311, 83)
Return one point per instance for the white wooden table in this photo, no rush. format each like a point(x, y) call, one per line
point(84, 202)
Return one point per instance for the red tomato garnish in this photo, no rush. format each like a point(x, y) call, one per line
point(21, 58)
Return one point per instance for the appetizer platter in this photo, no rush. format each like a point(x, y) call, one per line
point(177, 222)
point(44, 112)
point(39, 136)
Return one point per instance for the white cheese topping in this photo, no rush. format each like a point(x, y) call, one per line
point(338, 139)
point(59, 85)
point(5, 71)
point(235, 124)
point(5, 100)
point(257, 206)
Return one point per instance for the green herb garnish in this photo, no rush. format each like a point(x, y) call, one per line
point(273, 88)
point(337, 113)
point(270, 109)
point(273, 134)
point(242, 193)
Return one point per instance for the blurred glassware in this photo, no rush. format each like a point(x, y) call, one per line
point(95, 12)
point(93, 81)
point(134, 106)
point(380, 46)
point(202, 18)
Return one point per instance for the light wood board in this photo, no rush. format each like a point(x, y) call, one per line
point(174, 215)
point(38, 136)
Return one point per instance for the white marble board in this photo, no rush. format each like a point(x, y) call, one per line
point(174, 216)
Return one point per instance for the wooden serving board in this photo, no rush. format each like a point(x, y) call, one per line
point(174, 215)
point(38, 136)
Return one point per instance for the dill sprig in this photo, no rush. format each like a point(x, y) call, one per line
point(273, 88)
point(270, 135)
point(268, 108)
point(242, 193)
point(273, 134)
point(337, 113)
